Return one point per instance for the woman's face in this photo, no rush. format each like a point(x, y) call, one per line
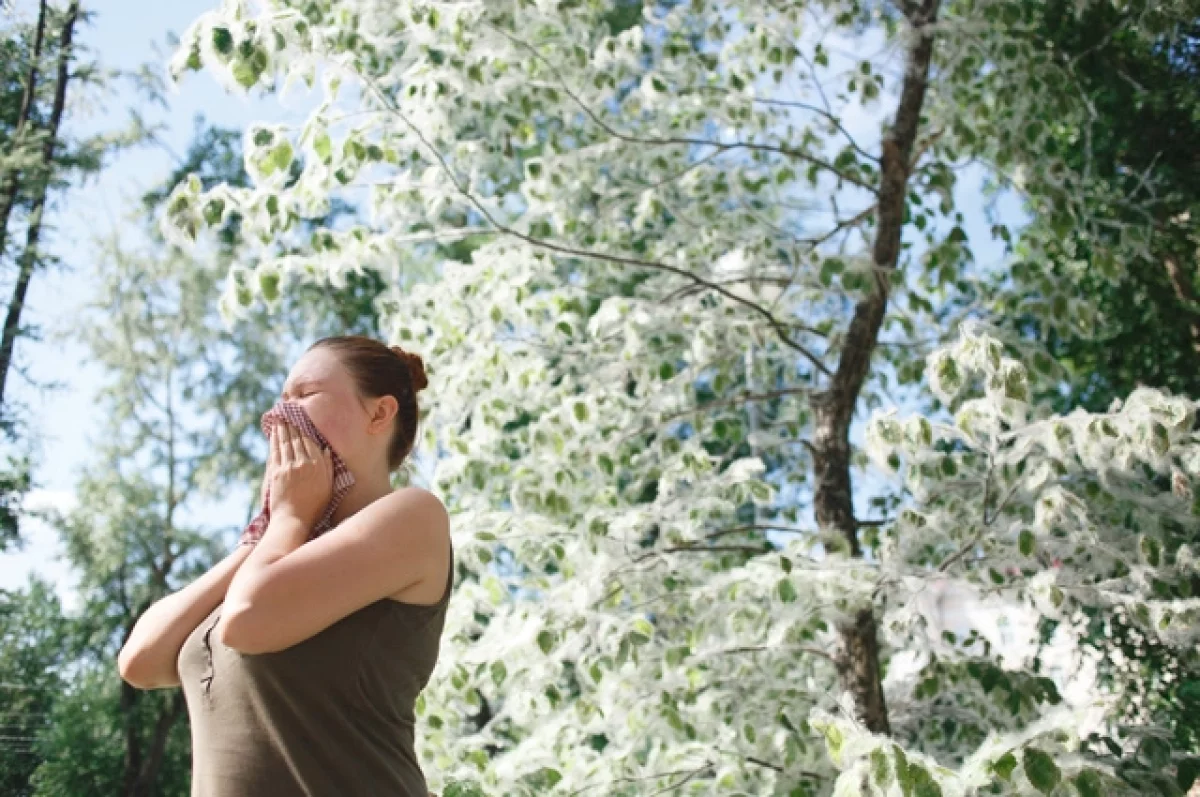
point(319, 384)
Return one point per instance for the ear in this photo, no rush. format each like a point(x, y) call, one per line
point(386, 408)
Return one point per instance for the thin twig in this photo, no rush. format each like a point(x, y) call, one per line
point(683, 140)
point(775, 323)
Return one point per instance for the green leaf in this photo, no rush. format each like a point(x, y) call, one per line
point(1187, 772)
point(1025, 542)
point(1150, 550)
point(834, 740)
point(222, 40)
point(281, 156)
point(881, 770)
point(323, 147)
point(246, 71)
point(1004, 766)
point(830, 268)
point(1041, 770)
point(786, 590)
point(1087, 783)
point(213, 211)
point(268, 281)
point(1160, 440)
point(545, 641)
point(902, 771)
point(949, 375)
point(923, 784)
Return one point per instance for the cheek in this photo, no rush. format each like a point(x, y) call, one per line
point(334, 426)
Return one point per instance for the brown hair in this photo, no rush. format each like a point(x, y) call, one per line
point(381, 370)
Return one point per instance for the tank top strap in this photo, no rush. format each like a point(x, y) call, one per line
point(429, 608)
point(449, 577)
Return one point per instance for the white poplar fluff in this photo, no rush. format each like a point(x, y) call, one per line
point(652, 192)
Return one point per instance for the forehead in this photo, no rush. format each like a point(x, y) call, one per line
point(315, 367)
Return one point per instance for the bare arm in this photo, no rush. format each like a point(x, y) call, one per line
point(290, 590)
point(148, 658)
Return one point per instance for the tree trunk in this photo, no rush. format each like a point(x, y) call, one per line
point(130, 697)
point(11, 184)
point(834, 408)
point(29, 258)
point(141, 773)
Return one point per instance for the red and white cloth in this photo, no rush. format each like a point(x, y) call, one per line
point(293, 413)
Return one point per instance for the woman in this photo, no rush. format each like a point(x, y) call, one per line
point(301, 654)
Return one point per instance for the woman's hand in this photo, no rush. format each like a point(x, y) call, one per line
point(301, 475)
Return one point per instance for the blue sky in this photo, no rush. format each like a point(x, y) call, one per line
point(122, 34)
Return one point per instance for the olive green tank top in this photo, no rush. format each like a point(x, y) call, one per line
point(331, 716)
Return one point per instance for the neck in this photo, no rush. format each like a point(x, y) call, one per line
point(362, 493)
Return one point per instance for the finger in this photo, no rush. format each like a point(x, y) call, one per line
point(299, 449)
point(294, 451)
point(312, 449)
point(285, 445)
point(273, 455)
point(300, 445)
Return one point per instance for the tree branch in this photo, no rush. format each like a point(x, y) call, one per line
point(779, 327)
point(682, 140)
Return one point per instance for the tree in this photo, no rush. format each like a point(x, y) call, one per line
point(184, 402)
point(1139, 65)
point(33, 634)
point(32, 160)
point(43, 64)
point(135, 535)
point(664, 193)
point(23, 51)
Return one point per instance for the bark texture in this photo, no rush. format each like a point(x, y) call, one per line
point(834, 408)
point(10, 181)
point(29, 256)
point(144, 758)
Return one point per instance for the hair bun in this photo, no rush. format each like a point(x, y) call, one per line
point(416, 367)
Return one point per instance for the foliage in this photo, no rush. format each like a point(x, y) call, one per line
point(33, 633)
point(1139, 64)
point(670, 225)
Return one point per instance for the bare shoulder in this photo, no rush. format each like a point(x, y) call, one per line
point(418, 503)
point(424, 528)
